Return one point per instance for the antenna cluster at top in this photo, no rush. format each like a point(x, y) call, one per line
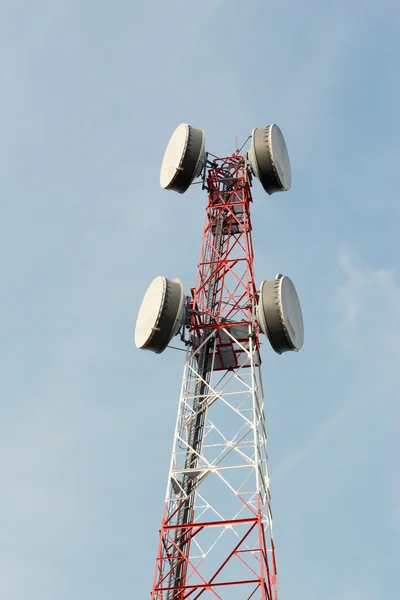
point(165, 309)
point(186, 157)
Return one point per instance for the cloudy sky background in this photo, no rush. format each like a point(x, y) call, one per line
point(90, 93)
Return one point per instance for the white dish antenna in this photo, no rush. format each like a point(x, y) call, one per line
point(269, 159)
point(279, 314)
point(183, 159)
point(160, 315)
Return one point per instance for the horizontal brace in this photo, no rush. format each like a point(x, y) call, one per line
point(209, 585)
point(212, 523)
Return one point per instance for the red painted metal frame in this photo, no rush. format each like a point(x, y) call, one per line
point(264, 581)
point(227, 266)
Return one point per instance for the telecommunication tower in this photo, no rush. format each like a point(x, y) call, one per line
point(216, 533)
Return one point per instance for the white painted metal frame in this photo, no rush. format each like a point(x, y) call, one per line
point(231, 475)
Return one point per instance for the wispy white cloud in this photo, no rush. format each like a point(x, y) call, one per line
point(365, 328)
point(367, 303)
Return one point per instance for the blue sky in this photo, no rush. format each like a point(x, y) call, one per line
point(90, 94)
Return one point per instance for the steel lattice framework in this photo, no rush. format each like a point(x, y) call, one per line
point(216, 532)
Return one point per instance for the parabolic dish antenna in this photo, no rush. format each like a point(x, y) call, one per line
point(160, 314)
point(269, 159)
point(183, 159)
point(279, 314)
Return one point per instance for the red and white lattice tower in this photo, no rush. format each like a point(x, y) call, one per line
point(216, 532)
